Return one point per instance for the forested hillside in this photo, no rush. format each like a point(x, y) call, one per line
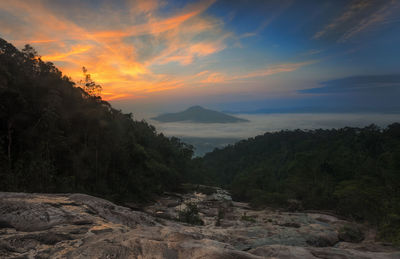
point(353, 171)
point(58, 137)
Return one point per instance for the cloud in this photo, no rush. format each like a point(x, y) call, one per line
point(376, 18)
point(270, 9)
point(358, 84)
point(311, 52)
point(134, 49)
point(271, 70)
point(359, 16)
point(216, 77)
point(77, 49)
point(186, 55)
point(118, 43)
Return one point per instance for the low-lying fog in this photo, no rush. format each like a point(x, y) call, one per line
point(260, 124)
point(207, 136)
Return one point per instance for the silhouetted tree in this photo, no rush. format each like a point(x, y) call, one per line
point(55, 137)
point(88, 85)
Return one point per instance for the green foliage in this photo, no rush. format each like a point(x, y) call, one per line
point(220, 216)
point(352, 171)
point(390, 229)
point(248, 218)
point(190, 214)
point(56, 137)
point(351, 233)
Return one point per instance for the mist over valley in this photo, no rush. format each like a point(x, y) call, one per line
point(207, 136)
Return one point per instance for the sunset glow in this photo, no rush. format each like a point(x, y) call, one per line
point(162, 51)
point(109, 55)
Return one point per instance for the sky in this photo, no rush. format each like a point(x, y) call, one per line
point(157, 56)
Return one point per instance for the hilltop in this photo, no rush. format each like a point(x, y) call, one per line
point(198, 114)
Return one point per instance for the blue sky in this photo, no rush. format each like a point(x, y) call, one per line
point(154, 56)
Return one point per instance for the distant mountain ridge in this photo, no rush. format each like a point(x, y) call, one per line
point(198, 114)
point(318, 109)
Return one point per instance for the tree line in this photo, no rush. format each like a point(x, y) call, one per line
point(59, 136)
point(352, 171)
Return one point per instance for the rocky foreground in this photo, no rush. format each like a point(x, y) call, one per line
point(82, 226)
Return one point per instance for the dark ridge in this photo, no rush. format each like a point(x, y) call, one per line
point(198, 114)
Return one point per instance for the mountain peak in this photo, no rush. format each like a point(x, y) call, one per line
point(195, 107)
point(198, 114)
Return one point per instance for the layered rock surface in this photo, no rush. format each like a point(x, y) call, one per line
point(82, 226)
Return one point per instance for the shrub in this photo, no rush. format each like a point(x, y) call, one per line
point(248, 218)
point(351, 233)
point(190, 214)
point(390, 229)
point(221, 215)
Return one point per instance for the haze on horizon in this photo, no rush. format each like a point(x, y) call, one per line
point(156, 56)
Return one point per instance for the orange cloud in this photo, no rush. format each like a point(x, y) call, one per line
point(61, 56)
point(201, 73)
point(112, 60)
point(217, 77)
point(275, 69)
point(125, 52)
point(143, 6)
point(164, 88)
point(185, 54)
point(41, 41)
point(113, 96)
point(204, 49)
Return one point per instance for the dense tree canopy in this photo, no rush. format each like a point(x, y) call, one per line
point(354, 171)
point(59, 137)
point(56, 136)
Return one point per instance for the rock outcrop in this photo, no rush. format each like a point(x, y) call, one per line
point(82, 226)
